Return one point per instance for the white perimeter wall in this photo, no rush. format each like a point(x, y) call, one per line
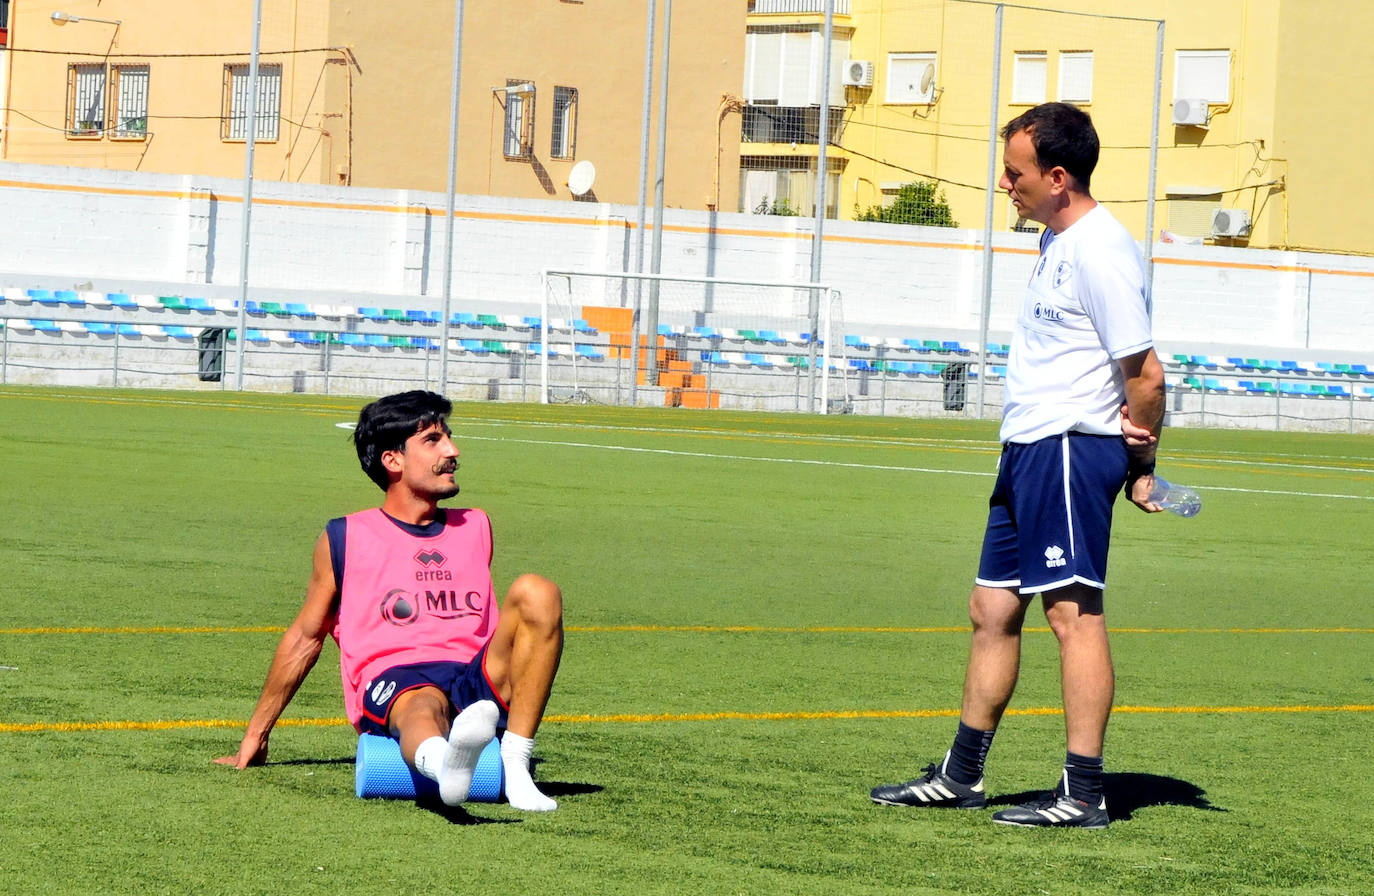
point(123, 231)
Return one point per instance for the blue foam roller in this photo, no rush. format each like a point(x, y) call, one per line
point(380, 772)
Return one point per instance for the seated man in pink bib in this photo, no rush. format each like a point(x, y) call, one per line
point(426, 654)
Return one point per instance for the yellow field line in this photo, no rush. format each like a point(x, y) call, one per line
point(698, 629)
point(638, 718)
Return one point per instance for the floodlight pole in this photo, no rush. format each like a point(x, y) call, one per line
point(643, 194)
point(1154, 165)
point(818, 228)
point(985, 308)
point(452, 187)
point(252, 128)
point(656, 258)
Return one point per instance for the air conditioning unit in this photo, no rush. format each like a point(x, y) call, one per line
point(1230, 222)
point(858, 73)
point(1191, 112)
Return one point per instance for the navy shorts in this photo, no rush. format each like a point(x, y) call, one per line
point(464, 683)
point(1050, 514)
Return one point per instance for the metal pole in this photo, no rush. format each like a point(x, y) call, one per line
point(452, 188)
point(818, 212)
point(985, 308)
point(252, 128)
point(651, 322)
point(643, 191)
point(1154, 165)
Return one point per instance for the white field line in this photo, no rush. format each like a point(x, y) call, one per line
point(858, 466)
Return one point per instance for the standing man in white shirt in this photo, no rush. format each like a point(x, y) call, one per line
point(1081, 420)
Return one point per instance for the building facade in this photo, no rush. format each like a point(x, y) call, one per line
point(1249, 123)
point(361, 94)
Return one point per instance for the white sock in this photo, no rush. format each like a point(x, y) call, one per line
point(471, 732)
point(429, 757)
point(520, 790)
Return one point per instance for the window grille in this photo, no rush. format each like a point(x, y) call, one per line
point(564, 140)
point(85, 100)
point(131, 101)
point(519, 127)
point(268, 110)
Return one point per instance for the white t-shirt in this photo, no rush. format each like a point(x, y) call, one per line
point(1084, 307)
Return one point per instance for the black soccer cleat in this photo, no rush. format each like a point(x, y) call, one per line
point(934, 790)
point(1056, 810)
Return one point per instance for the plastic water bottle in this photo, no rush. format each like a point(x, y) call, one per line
point(1179, 499)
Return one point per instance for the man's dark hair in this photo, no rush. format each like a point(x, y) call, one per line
point(385, 424)
point(1063, 137)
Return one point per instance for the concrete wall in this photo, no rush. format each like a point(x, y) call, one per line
point(124, 231)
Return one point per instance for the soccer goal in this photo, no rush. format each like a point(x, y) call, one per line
point(613, 337)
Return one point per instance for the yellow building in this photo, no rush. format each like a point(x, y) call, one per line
point(1251, 110)
point(360, 93)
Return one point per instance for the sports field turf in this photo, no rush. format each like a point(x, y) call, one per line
point(766, 617)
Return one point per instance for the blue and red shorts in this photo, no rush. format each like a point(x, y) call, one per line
point(1050, 514)
point(464, 683)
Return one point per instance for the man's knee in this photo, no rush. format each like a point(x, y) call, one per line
point(996, 611)
point(537, 600)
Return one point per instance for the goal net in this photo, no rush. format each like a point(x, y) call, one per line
point(612, 337)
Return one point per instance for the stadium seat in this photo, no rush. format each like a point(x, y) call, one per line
point(490, 320)
point(858, 342)
point(178, 332)
point(300, 309)
point(1337, 391)
point(757, 359)
point(772, 336)
point(44, 326)
point(1291, 388)
point(100, 328)
point(38, 295)
point(590, 352)
point(464, 319)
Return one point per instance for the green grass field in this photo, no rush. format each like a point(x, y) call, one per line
point(766, 617)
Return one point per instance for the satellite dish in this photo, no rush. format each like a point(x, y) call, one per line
point(581, 178)
point(927, 78)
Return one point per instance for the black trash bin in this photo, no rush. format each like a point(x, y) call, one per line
point(211, 344)
point(955, 378)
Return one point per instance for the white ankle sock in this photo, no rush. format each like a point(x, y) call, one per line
point(472, 730)
point(520, 790)
point(429, 756)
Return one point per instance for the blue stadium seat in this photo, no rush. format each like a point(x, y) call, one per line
point(590, 352)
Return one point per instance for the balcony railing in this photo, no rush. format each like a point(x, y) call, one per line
point(796, 6)
point(787, 124)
